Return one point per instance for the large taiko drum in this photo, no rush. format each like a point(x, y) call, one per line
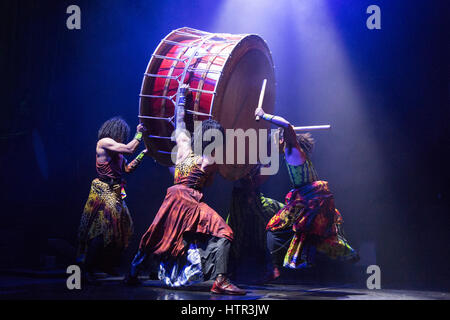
point(224, 73)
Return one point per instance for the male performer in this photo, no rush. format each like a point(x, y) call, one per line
point(189, 239)
point(309, 222)
point(106, 224)
point(250, 211)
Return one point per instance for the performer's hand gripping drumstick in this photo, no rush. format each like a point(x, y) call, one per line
point(259, 112)
point(261, 97)
point(279, 121)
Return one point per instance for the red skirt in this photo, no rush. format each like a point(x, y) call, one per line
point(182, 211)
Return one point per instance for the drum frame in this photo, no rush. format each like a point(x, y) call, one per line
point(181, 77)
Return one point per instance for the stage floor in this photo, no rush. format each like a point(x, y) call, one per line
point(19, 287)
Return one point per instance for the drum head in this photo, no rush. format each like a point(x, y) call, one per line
point(250, 64)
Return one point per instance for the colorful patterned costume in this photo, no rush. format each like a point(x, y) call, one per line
point(311, 214)
point(186, 233)
point(106, 215)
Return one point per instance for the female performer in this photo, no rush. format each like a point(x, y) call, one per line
point(189, 239)
point(106, 224)
point(309, 222)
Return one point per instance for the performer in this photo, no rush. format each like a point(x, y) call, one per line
point(250, 211)
point(309, 222)
point(106, 225)
point(191, 240)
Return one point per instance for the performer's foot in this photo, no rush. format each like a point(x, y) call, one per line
point(223, 286)
point(276, 273)
point(272, 275)
point(131, 281)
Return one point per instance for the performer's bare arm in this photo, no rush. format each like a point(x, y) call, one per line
point(181, 135)
point(114, 146)
point(106, 146)
point(294, 156)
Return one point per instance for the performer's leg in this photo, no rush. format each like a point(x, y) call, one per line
point(93, 254)
point(110, 258)
point(222, 256)
point(277, 245)
point(137, 265)
point(92, 259)
point(222, 285)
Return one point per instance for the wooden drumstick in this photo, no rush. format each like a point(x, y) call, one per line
point(309, 128)
point(261, 96)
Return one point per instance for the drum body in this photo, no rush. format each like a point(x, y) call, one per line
point(224, 73)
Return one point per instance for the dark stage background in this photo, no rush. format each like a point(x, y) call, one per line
point(385, 92)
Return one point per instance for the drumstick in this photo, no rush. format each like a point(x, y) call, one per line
point(261, 97)
point(309, 128)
